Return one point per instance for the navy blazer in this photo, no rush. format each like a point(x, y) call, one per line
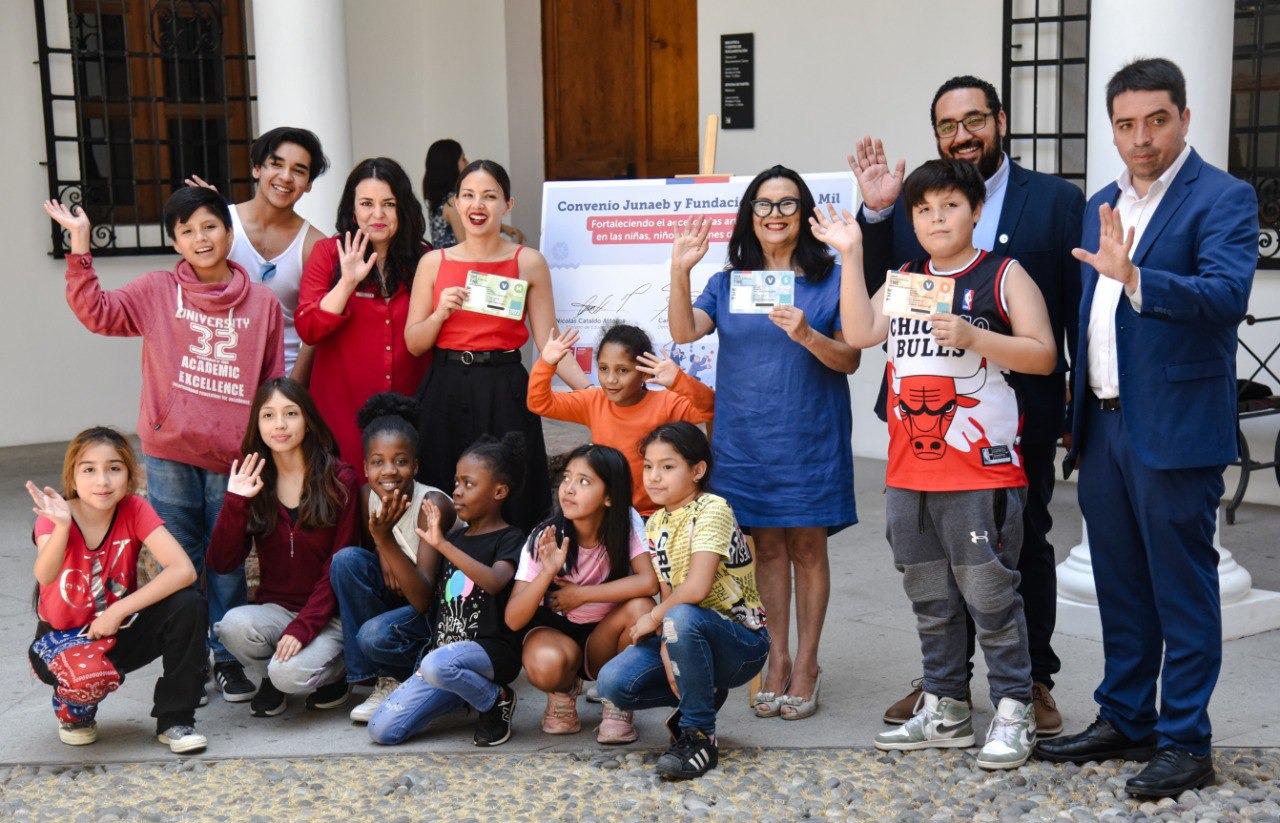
point(1177, 359)
point(1040, 223)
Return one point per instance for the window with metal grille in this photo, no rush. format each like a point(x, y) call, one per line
point(1254, 151)
point(138, 96)
point(1046, 84)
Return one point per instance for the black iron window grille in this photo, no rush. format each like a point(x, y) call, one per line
point(1046, 85)
point(1254, 150)
point(138, 96)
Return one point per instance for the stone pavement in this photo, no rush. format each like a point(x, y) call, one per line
point(870, 654)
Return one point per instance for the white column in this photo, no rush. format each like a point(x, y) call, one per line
point(300, 56)
point(1197, 35)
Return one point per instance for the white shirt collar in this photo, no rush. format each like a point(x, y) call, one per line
point(1125, 180)
point(1000, 176)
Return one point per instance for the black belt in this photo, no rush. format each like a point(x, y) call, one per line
point(1108, 404)
point(481, 358)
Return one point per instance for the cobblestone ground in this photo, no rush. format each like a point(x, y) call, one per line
point(749, 785)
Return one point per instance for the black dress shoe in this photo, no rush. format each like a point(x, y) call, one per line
point(1099, 742)
point(1170, 773)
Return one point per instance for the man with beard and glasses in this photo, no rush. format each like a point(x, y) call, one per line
point(1034, 218)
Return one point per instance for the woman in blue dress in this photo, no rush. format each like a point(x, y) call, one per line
point(780, 437)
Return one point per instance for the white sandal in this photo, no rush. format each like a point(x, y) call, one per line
point(768, 704)
point(798, 708)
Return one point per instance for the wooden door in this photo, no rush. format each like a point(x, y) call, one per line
point(620, 88)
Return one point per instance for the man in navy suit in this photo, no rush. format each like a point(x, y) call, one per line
point(1035, 218)
point(1154, 425)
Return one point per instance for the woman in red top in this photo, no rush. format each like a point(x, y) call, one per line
point(354, 299)
point(477, 384)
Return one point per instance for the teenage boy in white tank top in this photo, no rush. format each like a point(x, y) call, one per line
point(271, 240)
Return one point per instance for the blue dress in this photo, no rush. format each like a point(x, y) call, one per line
point(780, 439)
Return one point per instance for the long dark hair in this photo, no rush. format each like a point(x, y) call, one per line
point(440, 178)
point(407, 244)
point(811, 256)
point(615, 530)
point(323, 495)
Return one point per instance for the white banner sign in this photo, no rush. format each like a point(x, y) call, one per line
point(608, 243)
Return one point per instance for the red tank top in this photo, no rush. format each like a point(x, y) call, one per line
point(468, 330)
point(954, 418)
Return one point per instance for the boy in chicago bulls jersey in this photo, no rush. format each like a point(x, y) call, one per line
point(955, 484)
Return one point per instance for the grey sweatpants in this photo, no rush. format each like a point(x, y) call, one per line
point(950, 545)
point(251, 634)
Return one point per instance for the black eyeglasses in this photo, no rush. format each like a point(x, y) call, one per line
point(786, 207)
point(973, 123)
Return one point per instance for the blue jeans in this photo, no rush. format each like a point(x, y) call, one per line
point(382, 635)
point(448, 678)
point(707, 653)
point(188, 499)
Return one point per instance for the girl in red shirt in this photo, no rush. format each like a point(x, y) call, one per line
point(87, 547)
point(477, 384)
point(294, 501)
point(353, 300)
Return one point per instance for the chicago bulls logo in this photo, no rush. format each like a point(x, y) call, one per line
point(927, 403)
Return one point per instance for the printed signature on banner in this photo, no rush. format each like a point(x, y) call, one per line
point(612, 304)
point(609, 229)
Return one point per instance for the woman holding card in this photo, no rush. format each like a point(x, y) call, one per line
point(353, 299)
point(475, 304)
point(782, 422)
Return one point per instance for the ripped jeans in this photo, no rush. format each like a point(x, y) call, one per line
point(707, 653)
point(958, 550)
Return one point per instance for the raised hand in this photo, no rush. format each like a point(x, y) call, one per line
point(195, 182)
point(382, 521)
point(433, 534)
point(551, 555)
point(1114, 244)
point(660, 368)
point(451, 300)
point(691, 242)
point(839, 231)
point(791, 320)
point(558, 345)
point(49, 504)
point(246, 478)
point(351, 258)
point(880, 187)
point(74, 220)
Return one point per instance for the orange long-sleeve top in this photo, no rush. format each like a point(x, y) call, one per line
point(622, 427)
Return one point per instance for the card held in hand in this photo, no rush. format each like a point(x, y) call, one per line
point(495, 295)
point(758, 292)
point(915, 295)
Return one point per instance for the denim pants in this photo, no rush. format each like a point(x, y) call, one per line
point(382, 634)
point(188, 499)
point(448, 678)
point(707, 653)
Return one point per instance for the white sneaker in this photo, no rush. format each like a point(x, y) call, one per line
point(78, 734)
point(182, 739)
point(939, 723)
point(381, 691)
point(1011, 737)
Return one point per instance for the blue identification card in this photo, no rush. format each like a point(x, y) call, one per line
point(758, 292)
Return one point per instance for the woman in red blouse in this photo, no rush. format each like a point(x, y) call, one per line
point(353, 300)
point(477, 384)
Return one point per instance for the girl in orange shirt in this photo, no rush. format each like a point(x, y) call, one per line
point(621, 410)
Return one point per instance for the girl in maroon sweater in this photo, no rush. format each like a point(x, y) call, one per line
point(296, 502)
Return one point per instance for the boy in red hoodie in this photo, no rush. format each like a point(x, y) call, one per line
point(210, 337)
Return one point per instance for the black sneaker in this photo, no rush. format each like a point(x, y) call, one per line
point(269, 701)
point(673, 719)
point(229, 677)
point(690, 756)
point(330, 696)
point(494, 726)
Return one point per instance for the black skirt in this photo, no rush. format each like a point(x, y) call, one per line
point(460, 403)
